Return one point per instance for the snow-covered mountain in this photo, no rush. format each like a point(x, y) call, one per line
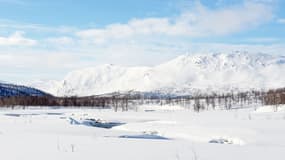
point(7, 90)
point(182, 75)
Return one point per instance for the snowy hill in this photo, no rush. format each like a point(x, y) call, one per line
point(7, 90)
point(183, 75)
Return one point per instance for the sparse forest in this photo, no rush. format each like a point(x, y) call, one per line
point(124, 101)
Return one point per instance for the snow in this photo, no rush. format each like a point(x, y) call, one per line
point(269, 109)
point(183, 75)
point(166, 133)
point(17, 90)
point(49, 86)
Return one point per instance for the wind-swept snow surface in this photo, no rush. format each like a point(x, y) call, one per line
point(173, 133)
point(183, 75)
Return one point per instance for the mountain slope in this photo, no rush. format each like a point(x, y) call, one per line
point(7, 90)
point(182, 75)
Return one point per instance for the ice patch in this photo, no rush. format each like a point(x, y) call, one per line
point(95, 123)
point(32, 114)
point(20, 115)
point(54, 114)
point(223, 140)
point(146, 135)
point(164, 122)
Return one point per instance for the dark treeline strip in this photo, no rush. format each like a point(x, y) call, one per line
point(91, 101)
point(275, 97)
point(123, 101)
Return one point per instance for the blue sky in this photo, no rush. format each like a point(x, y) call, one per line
point(82, 13)
point(42, 39)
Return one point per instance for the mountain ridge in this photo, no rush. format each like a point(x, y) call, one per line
point(9, 90)
point(183, 75)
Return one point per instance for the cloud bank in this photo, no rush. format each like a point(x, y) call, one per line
point(17, 39)
point(199, 22)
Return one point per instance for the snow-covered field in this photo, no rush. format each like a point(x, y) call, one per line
point(147, 133)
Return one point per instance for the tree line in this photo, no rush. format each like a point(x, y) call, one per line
point(123, 102)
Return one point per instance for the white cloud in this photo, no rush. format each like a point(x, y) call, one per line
point(277, 49)
point(60, 40)
point(17, 39)
point(281, 20)
point(229, 20)
point(6, 24)
point(200, 21)
point(29, 63)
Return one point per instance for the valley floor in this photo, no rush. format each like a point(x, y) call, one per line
point(147, 133)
